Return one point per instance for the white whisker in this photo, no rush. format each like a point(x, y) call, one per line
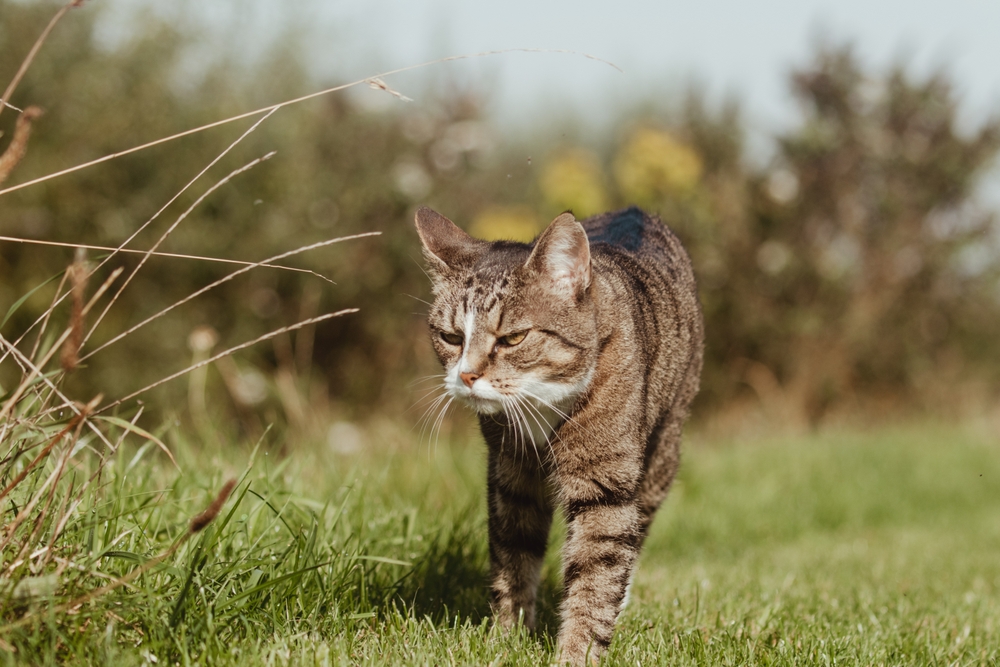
point(440, 421)
point(545, 431)
point(514, 417)
point(555, 409)
point(426, 378)
point(430, 413)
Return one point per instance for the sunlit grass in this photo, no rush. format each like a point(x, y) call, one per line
point(875, 548)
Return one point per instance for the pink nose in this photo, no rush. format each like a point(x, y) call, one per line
point(469, 378)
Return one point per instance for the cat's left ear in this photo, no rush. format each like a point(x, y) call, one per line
point(562, 254)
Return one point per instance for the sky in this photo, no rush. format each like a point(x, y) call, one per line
point(730, 47)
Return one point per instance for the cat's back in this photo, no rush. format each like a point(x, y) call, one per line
point(639, 244)
point(637, 235)
point(653, 293)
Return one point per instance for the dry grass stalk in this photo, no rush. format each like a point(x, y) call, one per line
point(56, 300)
point(35, 369)
point(70, 504)
point(173, 255)
point(19, 143)
point(225, 279)
point(208, 516)
point(274, 107)
point(226, 353)
point(52, 479)
point(45, 452)
point(376, 83)
point(44, 317)
point(39, 521)
point(156, 215)
point(26, 63)
point(31, 367)
point(170, 230)
point(78, 273)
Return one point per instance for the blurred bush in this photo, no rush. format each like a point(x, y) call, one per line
point(573, 180)
point(845, 275)
point(853, 270)
point(653, 165)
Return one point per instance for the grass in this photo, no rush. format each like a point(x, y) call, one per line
point(843, 548)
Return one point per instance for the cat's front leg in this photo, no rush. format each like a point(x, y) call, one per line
point(520, 515)
point(602, 547)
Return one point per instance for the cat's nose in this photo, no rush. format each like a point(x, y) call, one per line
point(469, 378)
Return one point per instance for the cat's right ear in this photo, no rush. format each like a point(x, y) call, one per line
point(446, 247)
point(562, 255)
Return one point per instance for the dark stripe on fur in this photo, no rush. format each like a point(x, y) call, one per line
point(565, 341)
point(608, 560)
point(575, 507)
point(532, 543)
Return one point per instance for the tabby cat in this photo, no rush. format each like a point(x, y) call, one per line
point(581, 353)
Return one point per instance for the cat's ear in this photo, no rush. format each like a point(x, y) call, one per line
point(562, 255)
point(445, 245)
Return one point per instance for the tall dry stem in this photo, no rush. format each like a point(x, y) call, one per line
point(18, 145)
point(26, 63)
point(78, 274)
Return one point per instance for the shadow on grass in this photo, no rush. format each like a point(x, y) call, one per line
point(451, 579)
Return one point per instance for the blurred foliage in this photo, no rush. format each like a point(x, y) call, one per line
point(653, 165)
point(573, 180)
point(852, 270)
point(518, 223)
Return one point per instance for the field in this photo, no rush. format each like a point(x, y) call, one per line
point(849, 547)
point(851, 271)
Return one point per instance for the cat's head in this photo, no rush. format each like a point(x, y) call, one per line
point(511, 322)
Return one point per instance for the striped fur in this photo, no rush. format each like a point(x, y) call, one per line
point(584, 411)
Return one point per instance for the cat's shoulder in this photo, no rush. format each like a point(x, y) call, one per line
point(631, 230)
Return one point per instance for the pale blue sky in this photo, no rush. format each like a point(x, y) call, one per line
point(732, 47)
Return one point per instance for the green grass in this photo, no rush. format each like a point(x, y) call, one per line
point(844, 548)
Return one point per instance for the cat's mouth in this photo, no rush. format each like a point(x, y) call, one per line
point(484, 406)
point(481, 397)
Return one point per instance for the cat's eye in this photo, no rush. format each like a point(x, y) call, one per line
point(451, 338)
point(510, 340)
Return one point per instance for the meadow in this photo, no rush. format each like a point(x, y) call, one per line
point(845, 547)
point(211, 515)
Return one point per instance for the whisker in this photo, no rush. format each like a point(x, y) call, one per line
point(511, 420)
point(556, 410)
point(527, 407)
point(526, 429)
point(537, 415)
point(440, 421)
point(522, 425)
point(429, 412)
point(417, 299)
point(426, 378)
point(429, 390)
point(547, 404)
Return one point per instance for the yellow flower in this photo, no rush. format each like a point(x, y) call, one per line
point(511, 223)
point(653, 164)
point(573, 181)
